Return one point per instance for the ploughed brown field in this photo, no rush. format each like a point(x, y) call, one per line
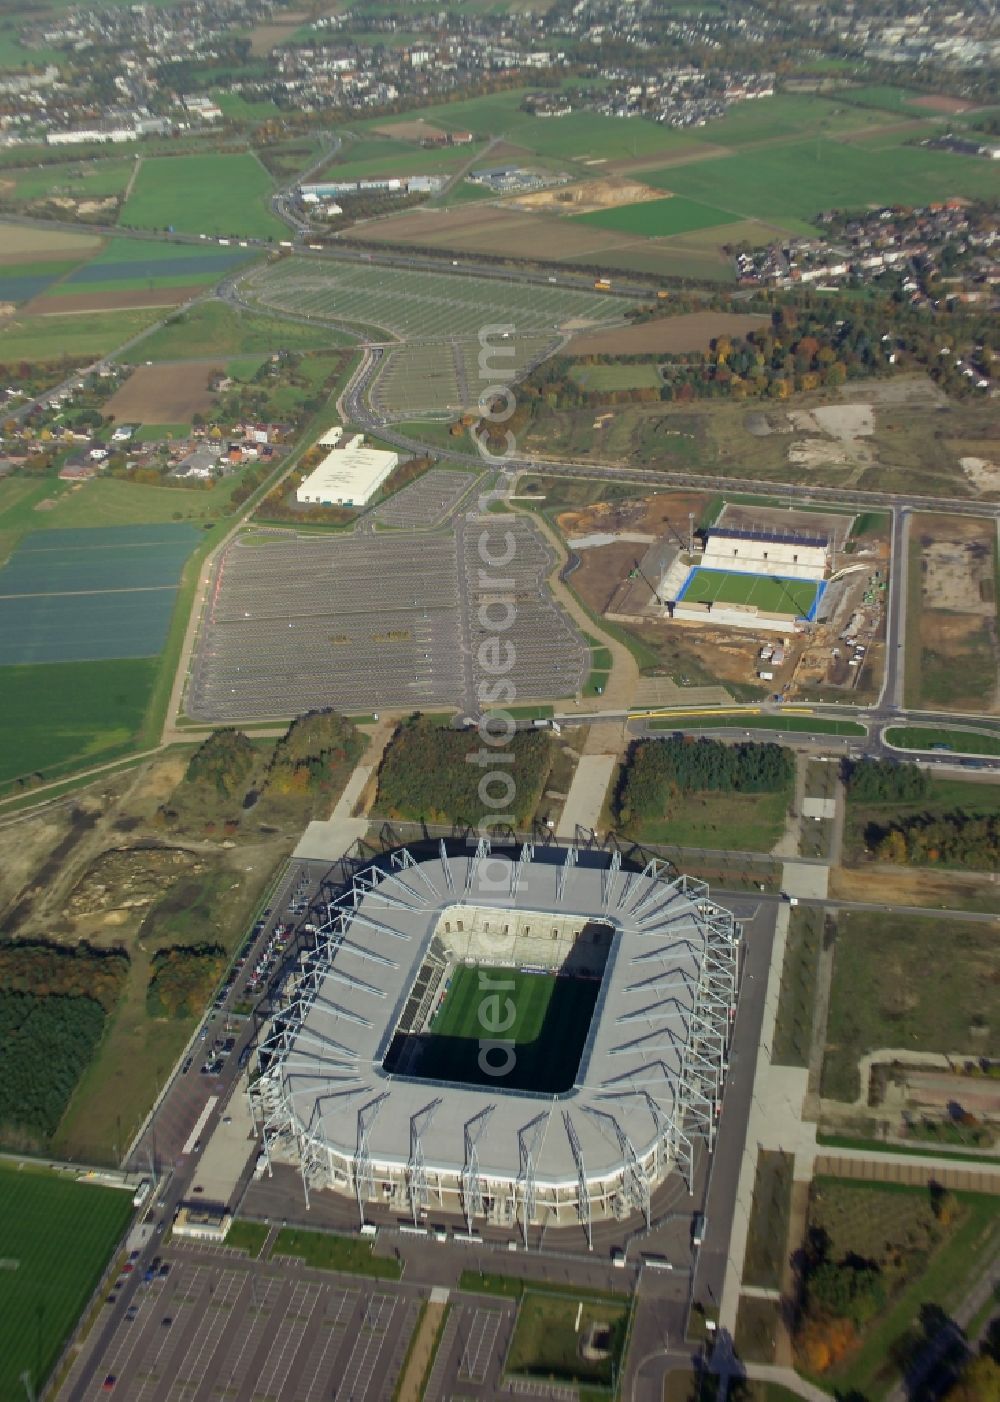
point(110, 301)
point(935, 102)
point(416, 130)
point(673, 334)
point(164, 394)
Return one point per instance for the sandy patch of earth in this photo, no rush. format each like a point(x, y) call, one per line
point(587, 196)
point(983, 474)
point(838, 420)
point(813, 452)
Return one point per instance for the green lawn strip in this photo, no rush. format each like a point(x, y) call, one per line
point(817, 725)
point(248, 1236)
point(769, 1210)
point(949, 1271)
point(596, 684)
point(327, 1252)
point(796, 999)
point(757, 1324)
point(879, 1146)
point(61, 1233)
point(512, 1287)
point(964, 742)
point(615, 377)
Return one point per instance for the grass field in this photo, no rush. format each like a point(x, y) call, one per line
point(548, 1333)
point(126, 264)
point(92, 334)
point(789, 184)
point(926, 985)
point(728, 822)
point(61, 1234)
point(214, 194)
point(769, 595)
point(218, 329)
point(83, 180)
point(612, 377)
point(551, 1021)
point(797, 997)
point(658, 218)
point(60, 716)
point(334, 1253)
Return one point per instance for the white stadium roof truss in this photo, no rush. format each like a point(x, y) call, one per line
point(650, 1075)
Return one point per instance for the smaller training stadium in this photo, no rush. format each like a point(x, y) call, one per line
point(750, 579)
point(768, 594)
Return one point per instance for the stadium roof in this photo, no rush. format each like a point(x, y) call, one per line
point(635, 1070)
point(772, 537)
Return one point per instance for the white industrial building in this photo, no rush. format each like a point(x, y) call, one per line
point(348, 475)
point(652, 1068)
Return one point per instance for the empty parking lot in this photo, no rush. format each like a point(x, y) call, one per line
point(362, 622)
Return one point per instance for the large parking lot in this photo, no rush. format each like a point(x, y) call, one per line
point(376, 621)
point(222, 1326)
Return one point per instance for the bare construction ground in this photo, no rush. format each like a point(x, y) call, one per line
point(954, 559)
point(585, 197)
point(389, 621)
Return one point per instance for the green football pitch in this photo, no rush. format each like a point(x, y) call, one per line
point(55, 1238)
point(767, 593)
point(550, 1020)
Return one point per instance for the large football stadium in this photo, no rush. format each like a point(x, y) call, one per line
point(518, 1037)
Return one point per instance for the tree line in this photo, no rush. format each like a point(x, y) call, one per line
point(46, 1041)
point(183, 979)
point(951, 839)
point(886, 781)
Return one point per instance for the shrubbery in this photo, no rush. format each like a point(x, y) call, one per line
point(183, 979)
point(886, 781)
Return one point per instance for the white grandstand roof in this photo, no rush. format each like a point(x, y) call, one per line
point(632, 1071)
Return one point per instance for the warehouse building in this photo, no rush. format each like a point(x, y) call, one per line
point(348, 475)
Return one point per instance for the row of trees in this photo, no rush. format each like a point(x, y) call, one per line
point(660, 771)
point(886, 781)
point(953, 839)
point(80, 971)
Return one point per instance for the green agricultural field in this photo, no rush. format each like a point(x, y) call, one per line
point(398, 158)
point(60, 1233)
point(789, 184)
point(612, 377)
point(90, 334)
point(214, 194)
point(792, 115)
point(61, 716)
point(82, 180)
point(551, 1020)
point(657, 218)
point(127, 264)
point(762, 592)
point(238, 109)
point(581, 136)
point(218, 329)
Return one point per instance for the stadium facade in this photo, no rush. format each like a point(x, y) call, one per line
point(650, 1075)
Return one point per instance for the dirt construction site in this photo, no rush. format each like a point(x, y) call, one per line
point(959, 647)
point(622, 548)
point(586, 197)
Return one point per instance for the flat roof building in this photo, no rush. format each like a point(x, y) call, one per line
point(348, 476)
